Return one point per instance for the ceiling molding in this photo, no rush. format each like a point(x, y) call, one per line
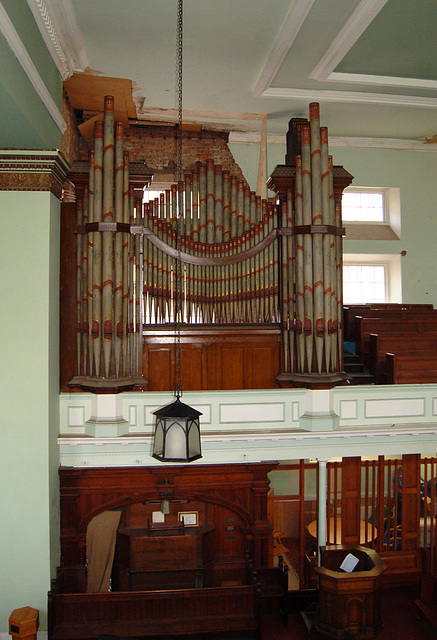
point(392, 81)
point(352, 30)
point(393, 144)
point(291, 27)
point(351, 97)
point(56, 21)
point(19, 50)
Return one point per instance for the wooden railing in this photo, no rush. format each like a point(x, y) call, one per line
point(395, 499)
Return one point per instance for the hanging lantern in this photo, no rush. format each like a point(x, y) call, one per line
point(177, 433)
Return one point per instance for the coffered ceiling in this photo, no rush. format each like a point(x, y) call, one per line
point(371, 64)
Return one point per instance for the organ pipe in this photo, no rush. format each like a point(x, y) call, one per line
point(242, 258)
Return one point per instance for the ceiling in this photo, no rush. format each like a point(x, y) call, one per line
point(371, 64)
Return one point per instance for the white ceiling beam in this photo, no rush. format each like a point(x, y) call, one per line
point(352, 30)
point(390, 81)
point(293, 22)
point(351, 97)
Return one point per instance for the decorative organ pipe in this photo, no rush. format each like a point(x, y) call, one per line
point(315, 320)
point(108, 262)
point(243, 259)
point(318, 254)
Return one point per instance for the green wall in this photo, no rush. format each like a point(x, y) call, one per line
point(415, 173)
point(25, 122)
point(29, 533)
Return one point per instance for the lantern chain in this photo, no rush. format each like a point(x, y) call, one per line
point(179, 168)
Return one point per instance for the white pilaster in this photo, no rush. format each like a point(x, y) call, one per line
point(107, 417)
point(319, 412)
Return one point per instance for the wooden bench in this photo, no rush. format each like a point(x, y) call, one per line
point(427, 602)
point(142, 614)
point(381, 344)
point(374, 310)
point(414, 368)
point(413, 324)
point(403, 567)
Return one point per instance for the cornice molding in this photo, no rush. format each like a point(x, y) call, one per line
point(396, 144)
point(58, 26)
point(19, 50)
point(387, 81)
point(32, 171)
point(351, 96)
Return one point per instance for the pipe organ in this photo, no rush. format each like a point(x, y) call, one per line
point(208, 252)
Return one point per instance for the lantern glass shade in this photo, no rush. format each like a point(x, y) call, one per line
point(177, 433)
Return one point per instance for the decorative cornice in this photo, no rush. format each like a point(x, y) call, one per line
point(19, 50)
point(32, 171)
point(57, 23)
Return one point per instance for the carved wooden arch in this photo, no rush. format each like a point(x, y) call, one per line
point(136, 498)
point(241, 488)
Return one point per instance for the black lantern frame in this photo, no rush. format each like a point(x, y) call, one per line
point(177, 433)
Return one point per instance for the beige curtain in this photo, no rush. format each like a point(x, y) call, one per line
point(100, 546)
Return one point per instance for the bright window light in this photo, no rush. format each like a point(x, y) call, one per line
point(363, 283)
point(363, 206)
point(149, 195)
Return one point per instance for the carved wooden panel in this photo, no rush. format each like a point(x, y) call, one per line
point(351, 500)
point(232, 499)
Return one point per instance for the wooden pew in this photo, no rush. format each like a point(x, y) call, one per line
point(381, 344)
point(374, 310)
point(411, 323)
point(73, 616)
point(411, 369)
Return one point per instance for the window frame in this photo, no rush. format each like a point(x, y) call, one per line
point(389, 229)
point(393, 276)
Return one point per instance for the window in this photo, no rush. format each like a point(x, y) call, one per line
point(363, 206)
point(363, 283)
point(372, 213)
point(371, 278)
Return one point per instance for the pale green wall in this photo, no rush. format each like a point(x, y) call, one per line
point(415, 173)
point(25, 122)
point(29, 249)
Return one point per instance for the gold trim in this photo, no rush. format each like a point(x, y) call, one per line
point(27, 171)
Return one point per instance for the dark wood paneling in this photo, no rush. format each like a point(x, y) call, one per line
point(410, 501)
point(213, 357)
point(350, 501)
point(230, 498)
point(67, 299)
point(232, 367)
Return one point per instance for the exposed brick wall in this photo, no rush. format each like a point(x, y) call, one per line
point(156, 146)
